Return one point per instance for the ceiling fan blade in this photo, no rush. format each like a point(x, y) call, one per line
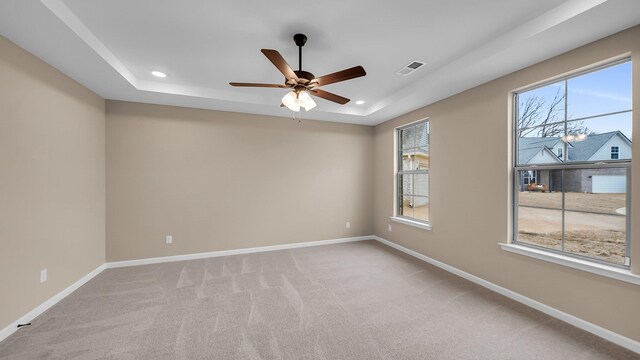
point(257, 85)
point(348, 74)
point(329, 96)
point(280, 63)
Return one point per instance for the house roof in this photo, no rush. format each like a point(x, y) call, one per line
point(580, 150)
point(530, 146)
point(584, 150)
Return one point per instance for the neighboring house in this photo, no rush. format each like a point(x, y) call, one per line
point(549, 150)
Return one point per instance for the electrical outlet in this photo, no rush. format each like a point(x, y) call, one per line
point(43, 276)
point(389, 227)
point(348, 225)
point(169, 239)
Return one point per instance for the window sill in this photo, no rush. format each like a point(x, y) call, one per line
point(584, 265)
point(413, 223)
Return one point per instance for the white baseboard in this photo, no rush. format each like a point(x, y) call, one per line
point(570, 319)
point(28, 317)
point(212, 254)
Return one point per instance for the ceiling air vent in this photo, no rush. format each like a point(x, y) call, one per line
point(410, 68)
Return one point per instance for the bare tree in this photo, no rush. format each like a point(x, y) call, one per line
point(543, 119)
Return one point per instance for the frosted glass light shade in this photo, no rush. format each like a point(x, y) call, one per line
point(291, 101)
point(306, 101)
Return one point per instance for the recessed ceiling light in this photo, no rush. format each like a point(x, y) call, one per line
point(359, 102)
point(159, 74)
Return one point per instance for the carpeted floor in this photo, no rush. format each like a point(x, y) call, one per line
point(358, 300)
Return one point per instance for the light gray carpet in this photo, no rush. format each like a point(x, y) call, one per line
point(350, 301)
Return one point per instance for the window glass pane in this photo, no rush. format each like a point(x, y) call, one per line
point(541, 106)
point(540, 208)
point(406, 208)
point(421, 184)
point(595, 208)
point(592, 140)
point(422, 135)
point(409, 159)
point(538, 147)
point(422, 158)
point(406, 184)
point(600, 92)
point(421, 208)
point(407, 137)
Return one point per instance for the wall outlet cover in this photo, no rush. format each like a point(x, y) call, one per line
point(169, 239)
point(43, 276)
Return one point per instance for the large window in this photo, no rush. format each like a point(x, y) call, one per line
point(572, 165)
point(413, 172)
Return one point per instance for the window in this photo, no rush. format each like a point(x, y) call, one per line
point(615, 152)
point(579, 203)
point(529, 177)
point(412, 175)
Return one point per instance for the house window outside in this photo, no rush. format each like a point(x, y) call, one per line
point(578, 204)
point(529, 177)
point(412, 175)
point(615, 152)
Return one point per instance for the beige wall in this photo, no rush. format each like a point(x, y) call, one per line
point(470, 134)
point(217, 180)
point(52, 181)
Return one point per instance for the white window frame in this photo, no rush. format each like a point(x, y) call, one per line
point(397, 195)
point(613, 163)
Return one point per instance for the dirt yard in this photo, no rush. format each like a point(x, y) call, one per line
point(593, 229)
point(597, 203)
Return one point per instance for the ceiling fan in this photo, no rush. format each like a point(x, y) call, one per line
point(303, 83)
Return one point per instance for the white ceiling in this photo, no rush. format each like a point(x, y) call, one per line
point(112, 46)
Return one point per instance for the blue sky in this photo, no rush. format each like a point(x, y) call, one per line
point(596, 93)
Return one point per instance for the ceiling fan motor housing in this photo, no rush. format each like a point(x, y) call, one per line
point(304, 75)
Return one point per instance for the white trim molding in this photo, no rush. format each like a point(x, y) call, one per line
point(560, 315)
point(28, 317)
point(584, 265)
point(212, 254)
point(418, 224)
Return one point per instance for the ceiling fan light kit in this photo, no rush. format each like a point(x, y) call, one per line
point(302, 83)
point(295, 100)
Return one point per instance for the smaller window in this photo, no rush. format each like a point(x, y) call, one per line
point(412, 173)
point(560, 153)
point(615, 153)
